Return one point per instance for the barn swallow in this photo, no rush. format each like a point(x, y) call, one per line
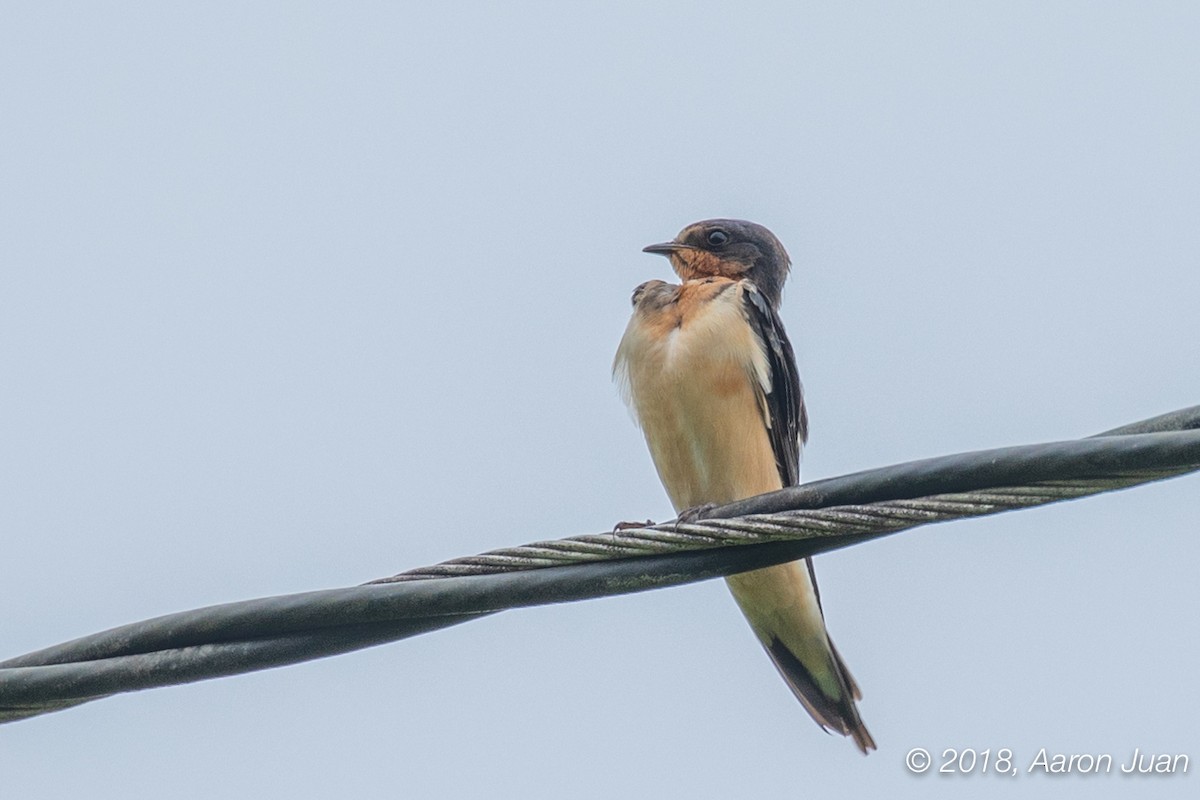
point(710, 376)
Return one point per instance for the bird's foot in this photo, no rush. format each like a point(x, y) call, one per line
point(625, 526)
point(694, 513)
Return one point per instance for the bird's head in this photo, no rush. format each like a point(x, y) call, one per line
point(729, 248)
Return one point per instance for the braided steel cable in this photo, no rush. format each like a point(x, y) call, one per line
point(769, 529)
point(870, 520)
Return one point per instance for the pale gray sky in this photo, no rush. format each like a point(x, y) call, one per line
point(299, 295)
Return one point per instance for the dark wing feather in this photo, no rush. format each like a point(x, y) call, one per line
point(784, 401)
point(787, 421)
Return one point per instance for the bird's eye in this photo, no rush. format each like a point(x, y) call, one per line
point(718, 237)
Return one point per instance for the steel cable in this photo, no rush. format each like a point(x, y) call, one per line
point(257, 634)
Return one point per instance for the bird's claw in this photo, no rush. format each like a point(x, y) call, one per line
point(694, 513)
point(625, 526)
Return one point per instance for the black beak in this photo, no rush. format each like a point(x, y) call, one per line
point(664, 249)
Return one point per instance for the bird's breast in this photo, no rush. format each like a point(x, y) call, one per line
point(694, 373)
